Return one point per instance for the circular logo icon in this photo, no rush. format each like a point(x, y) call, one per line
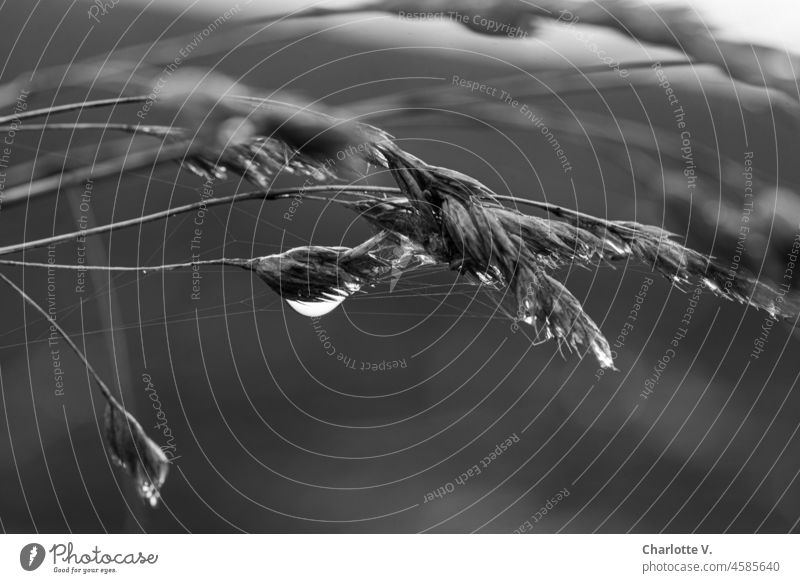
point(31, 556)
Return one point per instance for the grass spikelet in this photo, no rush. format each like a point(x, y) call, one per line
point(129, 446)
point(656, 247)
point(443, 216)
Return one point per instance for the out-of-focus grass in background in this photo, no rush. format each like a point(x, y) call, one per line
point(275, 435)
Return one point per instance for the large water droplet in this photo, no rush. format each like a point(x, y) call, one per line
point(484, 278)
point(405, 256)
